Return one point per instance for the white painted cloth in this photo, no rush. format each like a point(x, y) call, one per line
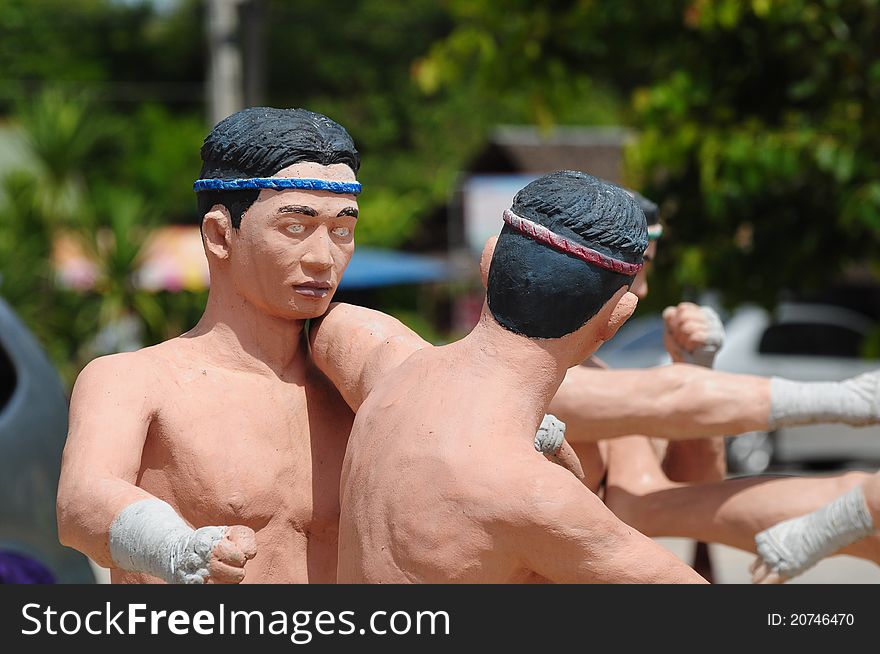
point(148, 536)
point(853, 401)
point(791, 547)
point(550, 434)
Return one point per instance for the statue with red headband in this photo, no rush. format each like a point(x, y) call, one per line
point(441, 480)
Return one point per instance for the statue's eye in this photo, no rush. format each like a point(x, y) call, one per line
point(296, 228)
point(341, 232)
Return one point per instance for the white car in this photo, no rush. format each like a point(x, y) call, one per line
point(805, 342)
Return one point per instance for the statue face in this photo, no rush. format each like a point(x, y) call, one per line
point(640, 283)
point(288, 256)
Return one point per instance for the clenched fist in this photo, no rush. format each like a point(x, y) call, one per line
point(215, 555)
point(693, 334)
point(229, 554)
point(149, 536)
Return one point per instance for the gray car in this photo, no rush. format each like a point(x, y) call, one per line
point(33, 428)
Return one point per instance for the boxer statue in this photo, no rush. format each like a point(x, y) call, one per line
point(215, 456)
point(441, 481)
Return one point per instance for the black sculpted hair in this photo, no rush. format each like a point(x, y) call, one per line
point(652, 213)
point(260, 141)
point(540, 292)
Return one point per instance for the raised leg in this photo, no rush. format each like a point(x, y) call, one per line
point(789, 548)
point(731, 512)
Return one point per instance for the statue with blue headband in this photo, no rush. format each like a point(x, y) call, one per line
point(215, 457)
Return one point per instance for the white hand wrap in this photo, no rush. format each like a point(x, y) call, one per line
point(854, 401)
point(791, 547)
point(705, 355)
point(148, 536)
point(550, 434)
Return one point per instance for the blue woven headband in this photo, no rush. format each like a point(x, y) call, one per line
point(276, 184)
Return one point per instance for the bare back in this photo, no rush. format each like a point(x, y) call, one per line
point(423, 472)
point(441, 483)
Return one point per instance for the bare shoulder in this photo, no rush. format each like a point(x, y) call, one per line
point(126, 378)
point(537, 493)
point(114, 402)
point(559, 529)
point(555, 497)
point(362, 323)
point(116, 369)
point(355, 347)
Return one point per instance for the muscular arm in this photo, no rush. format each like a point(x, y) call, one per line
point(570, 536)
point(676, 402)
point(355, 347)
point(682, 402)
point(110, 413)
point(694, 334)
point(102, 513)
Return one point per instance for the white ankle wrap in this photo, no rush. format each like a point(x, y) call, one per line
point(792, 546)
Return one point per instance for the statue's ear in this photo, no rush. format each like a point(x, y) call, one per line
point(217, 231)
point(622, 306)
point(486, 259)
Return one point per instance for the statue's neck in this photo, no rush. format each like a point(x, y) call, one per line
point(535, 367)
point(241, 335)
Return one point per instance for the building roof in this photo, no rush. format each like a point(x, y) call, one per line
point(528, 150)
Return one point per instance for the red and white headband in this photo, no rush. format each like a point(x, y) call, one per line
point(582, 252)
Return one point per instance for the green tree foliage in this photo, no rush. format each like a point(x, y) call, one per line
point(758, 120)
point(125, 51)
point(763, 144)
point(365, 63)
point(569, 58)
point(65, 193)
point(143, 69)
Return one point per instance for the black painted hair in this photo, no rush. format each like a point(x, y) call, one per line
point(260, 141)
point(652, 213)
point(540, 292)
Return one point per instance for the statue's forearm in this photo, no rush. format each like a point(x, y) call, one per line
point(120, 525)
point(676, 402)
point(354, 347)
point(87, 505)
point(791, 547)
point(681, 402)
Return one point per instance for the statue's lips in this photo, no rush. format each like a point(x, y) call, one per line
point(313, 289)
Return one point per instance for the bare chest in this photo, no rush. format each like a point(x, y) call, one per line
point(256, 452)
